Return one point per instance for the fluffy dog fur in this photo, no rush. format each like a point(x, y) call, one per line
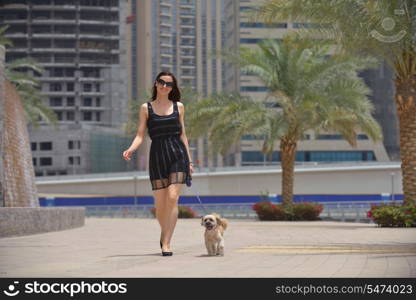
point(214, 233)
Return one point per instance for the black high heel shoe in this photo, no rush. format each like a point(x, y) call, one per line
point(165, 253)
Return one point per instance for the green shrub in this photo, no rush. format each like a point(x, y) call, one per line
point(267, 211)
point(184, 212)
point(307, 211)
point(393, 215)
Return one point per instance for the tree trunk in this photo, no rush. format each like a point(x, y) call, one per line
point(288, 154)
point(406, 108)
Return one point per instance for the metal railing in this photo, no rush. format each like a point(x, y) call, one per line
point(333, 211)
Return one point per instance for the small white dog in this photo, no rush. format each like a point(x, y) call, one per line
point(214, 233)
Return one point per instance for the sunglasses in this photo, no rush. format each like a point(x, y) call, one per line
point(162, 83)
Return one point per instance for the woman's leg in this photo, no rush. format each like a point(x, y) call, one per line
point(160, 205)
point(171, 214)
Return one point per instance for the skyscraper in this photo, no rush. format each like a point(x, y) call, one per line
point(81, 46)
point(326, 147)
point(177, 36)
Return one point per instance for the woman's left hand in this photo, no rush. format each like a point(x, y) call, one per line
point(191, 169)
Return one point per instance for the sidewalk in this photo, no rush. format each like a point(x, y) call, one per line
point(130, 248)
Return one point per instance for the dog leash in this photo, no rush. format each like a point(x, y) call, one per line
point(189, 184)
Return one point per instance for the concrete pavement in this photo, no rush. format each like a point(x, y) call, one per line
point(130, 248)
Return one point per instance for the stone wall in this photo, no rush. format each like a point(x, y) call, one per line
point(16, 221)
point(17, 176)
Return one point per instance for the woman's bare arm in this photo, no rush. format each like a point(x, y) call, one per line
point(143, 115)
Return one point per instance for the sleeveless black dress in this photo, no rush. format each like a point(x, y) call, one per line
point(168, 159)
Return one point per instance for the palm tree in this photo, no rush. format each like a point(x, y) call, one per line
point(311, 89)
point(384, 28)
point(3, 41)
point(27, 86)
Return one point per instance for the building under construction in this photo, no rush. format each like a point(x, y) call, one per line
point(81, 46)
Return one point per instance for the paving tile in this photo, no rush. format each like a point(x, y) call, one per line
point(107, 247)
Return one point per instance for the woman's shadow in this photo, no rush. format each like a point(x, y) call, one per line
point(134, 255)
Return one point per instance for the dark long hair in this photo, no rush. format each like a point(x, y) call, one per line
point(175, 94)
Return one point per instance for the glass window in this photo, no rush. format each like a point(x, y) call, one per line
point(70, 101)
point(55, 87)
point(55, 101)
point(70, 116)
point(87, 116)
point(70, 86)
point(45, 146)
point(59, 115)
point(45, 161)
point(87, 101)
point(87, 87)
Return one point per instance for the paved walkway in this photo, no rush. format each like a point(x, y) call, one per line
point(130, 248)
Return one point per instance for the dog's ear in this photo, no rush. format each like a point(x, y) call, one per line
point(219, 220)
point(202, 221)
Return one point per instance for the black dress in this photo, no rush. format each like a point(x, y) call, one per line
point(168, 159)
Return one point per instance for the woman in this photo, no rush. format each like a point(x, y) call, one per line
point(169, 162)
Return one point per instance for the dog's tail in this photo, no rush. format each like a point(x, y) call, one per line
point(224, 223)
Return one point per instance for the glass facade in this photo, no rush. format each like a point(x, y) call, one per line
point(262, 25)
point(257, 157)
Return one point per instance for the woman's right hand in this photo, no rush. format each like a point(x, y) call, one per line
point(127, 154)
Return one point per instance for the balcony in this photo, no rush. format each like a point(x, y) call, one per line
point(187, 6)
point(20, 49)
point(92, 93)
point(187, 66)
point(52, 7)
point(99, 22)
point(54, 35)
point(58, 93)
point(89, 79)
point(13, 21)
point(187, 76)
point(96, 8)
point(57, 79)
point(54, 50)
point(187, 25)
point(186, 14)
point(187, 36)
point(166, 34)
point(16, 35)
point(53, 21)
point(98, 36)
point(92, 108)
point(14, 6)
point(92, 50)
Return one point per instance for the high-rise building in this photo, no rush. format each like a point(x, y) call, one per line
point(81, 45)
point(177, 36)
point(327, 147)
